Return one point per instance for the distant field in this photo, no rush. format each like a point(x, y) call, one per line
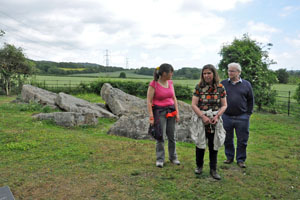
point(72, 69)
point(129, 74)
point(285, 87)
point(75, 80)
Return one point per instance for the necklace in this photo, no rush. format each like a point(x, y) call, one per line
point(165, 84)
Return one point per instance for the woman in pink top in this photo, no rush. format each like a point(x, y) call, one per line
point(163, 111)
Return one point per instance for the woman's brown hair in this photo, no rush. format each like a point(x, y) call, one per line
point(216, 79)
point(165, 67)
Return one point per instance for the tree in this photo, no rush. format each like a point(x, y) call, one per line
point(14, 67)
point(282, 76)
point(297, 94)
point(122, 75)
point(2, 32)
point(255, 61)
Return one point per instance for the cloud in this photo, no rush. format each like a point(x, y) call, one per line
point(288, 10)
point(260, 27)
point(211, 5)
point(295, 42)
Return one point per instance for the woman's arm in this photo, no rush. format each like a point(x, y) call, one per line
point(196, 109)
point(176, 106)
point(150, 95)
point(221, 110)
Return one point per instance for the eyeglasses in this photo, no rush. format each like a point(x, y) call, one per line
point(232, 71)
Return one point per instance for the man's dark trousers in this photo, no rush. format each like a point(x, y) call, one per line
point(240, 124)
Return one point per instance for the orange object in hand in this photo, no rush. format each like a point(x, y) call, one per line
point(172, 114)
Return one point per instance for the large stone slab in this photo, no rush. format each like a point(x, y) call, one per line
point(69, 119)
point(134, 120)
point(121, 103)
point(31, 93)
point(72, 104)
point(136, 127)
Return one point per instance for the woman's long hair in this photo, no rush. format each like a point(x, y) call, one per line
point(216, 79)
point(165, 67)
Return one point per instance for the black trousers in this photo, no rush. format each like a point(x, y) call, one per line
point(212, 153)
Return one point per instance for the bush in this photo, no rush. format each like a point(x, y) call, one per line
point(297, 94)
point(122, 75)
point(131, 87)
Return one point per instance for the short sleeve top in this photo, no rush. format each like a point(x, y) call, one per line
point(163, 96)
point(210, 97)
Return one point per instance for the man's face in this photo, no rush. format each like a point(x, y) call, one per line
point(233, 73)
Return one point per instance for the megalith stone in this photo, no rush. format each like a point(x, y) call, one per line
point(134, 120)
point(121, 103)
point(69, 119)
point(72, 104)
point(31, 93)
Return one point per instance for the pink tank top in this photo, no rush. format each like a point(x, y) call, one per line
point(163, 96)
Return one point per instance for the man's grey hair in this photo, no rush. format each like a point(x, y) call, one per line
point(235, 65)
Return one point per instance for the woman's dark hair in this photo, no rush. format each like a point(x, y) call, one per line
point(165, 67)
point(216, 79)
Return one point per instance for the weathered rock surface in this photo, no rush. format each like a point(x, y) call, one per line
point(134, 120)
point(34, 94)
point(69, 119)
point(136, 127)
point(121, 103)
point(72, 104)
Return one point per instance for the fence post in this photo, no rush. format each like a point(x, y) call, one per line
point(289, 100)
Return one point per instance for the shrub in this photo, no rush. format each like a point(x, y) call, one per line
point(297, 94)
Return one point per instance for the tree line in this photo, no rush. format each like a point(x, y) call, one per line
point(253, 57)
point(58, 68)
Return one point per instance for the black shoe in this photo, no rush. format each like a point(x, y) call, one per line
point(241, 164)
point(228, 161)
point(214, 174)
point(198, 170)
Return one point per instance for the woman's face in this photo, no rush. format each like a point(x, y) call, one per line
point(167, 76)
point(208, 76)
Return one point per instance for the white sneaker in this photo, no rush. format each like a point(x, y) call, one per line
point(176, 162)
point(159, 164)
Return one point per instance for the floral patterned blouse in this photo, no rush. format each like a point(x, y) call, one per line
point(210, 98)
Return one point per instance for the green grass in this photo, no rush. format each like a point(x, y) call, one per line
point(72, 69)
point(129, 74)
point(39, 160)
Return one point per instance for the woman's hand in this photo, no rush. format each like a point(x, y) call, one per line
point(177, 118)
point(151, 120)
point(215, 119)
point(206, 120)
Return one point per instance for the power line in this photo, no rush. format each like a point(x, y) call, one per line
point(106, 58)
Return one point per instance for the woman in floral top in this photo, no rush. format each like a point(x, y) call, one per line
point(209, 94)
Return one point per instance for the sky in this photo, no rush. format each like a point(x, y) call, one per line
point(147, 33)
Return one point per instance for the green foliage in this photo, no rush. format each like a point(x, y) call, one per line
point(145, 71)
point(122, 75)
point(282, 76)
point(185, 72)
point(14, 68)
point(136, 88)
point(297, 94)
point(48, 67)
point(255, 62)
point(1, 33)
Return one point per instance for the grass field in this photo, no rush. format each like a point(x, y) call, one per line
point(40, 160)
point(72, 69)
point(282, 88)
point(129, 74)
